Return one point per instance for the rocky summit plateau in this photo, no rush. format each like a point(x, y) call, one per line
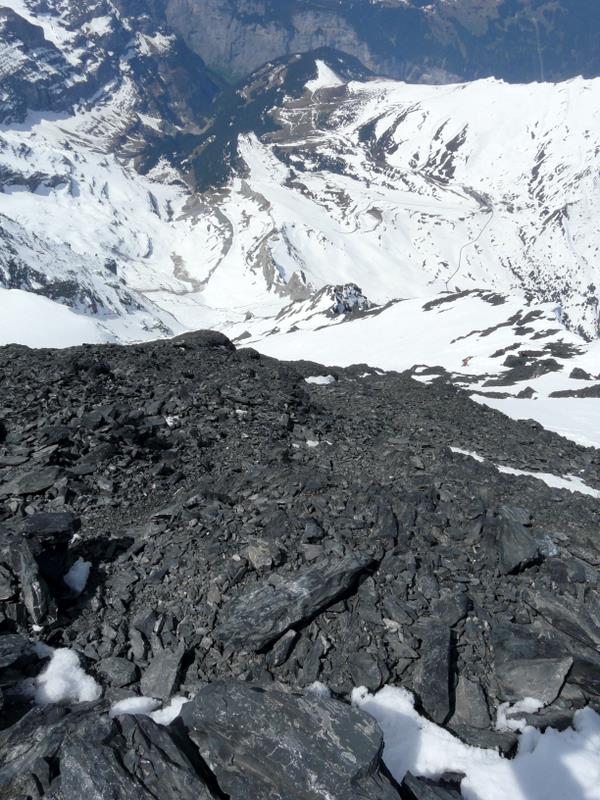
point(227, 576)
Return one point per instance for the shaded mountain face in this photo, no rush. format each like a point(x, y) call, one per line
point(251, 107)
point(55, 54)
point(415, 40)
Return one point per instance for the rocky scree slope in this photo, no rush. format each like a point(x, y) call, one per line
point(251, 532)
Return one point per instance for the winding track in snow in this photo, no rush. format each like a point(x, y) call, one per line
point(469, 244)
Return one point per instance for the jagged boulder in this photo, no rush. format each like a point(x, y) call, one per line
point(277, 745)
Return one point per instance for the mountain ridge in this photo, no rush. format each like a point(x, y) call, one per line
point(245, 212)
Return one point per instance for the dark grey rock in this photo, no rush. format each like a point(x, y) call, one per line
point(313, 532)
point(129, 758)
point(117, 671)
point(161, 677)
point(282, 649)
point(588, 391)
point(365, 670)
point(274, 745)
point(121, 759)
point(539, 678)
point(12, 648)
point(87, 763)
point(422, 789)
point(517, 547)
point(37, 735)
point(568, 615)
point(470, 706)
point(32, 482)
point(433, 674)
point(49, 525)
point(199, 339)
point(579, 374)
point(16, 554)
point(256, 619)
point(7, 583)
point(163, 763)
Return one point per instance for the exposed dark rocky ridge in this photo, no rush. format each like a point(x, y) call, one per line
point(249, 107)
point(207, 479)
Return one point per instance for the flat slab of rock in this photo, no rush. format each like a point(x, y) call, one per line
point(569, 616)
point(261, 616)
point(117, 671)
point(470, 707)
point(517, 547)
point(434, 672)
point(274, 745)
point(44, 525)
point(161, 677)
point(541, 678)
point(31, 482)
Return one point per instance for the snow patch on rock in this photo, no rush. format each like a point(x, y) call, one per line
point(77, 577)
point(553, 764)
point(149, 707)
point(63, 681)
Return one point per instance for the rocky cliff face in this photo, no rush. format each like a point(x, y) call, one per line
point(407, 39)
point(54, 55)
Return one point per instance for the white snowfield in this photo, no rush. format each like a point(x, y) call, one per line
point(326, 78)
point(553, 765)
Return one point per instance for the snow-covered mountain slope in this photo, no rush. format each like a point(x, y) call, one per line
point(399, 188)
point(404, 190)
point(88, 99)
point(309, 176)
point(56, 53)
